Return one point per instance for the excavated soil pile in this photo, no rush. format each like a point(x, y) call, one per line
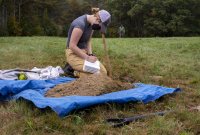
point(92, 85)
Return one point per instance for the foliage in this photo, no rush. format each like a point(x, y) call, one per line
point(48, 25)
point(140, 17)
point(14, 28)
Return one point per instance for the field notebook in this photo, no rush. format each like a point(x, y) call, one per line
point(91, 67)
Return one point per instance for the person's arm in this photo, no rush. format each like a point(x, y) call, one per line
point(75, 37)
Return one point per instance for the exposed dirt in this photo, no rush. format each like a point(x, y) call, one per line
point(91, 85)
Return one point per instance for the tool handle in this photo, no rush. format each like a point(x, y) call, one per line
point(138, 117)
point(107, 57)
point(118, 122)
point(20, 70)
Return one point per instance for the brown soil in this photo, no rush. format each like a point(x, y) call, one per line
point(91, 85)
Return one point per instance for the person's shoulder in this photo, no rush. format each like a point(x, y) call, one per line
point(80, 21)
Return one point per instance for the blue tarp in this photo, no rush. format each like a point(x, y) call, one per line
point(34, 90)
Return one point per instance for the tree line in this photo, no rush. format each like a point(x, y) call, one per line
point(141, 18)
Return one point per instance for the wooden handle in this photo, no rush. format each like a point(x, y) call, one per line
point(107, 57)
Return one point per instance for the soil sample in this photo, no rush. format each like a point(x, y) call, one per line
point(91, 85)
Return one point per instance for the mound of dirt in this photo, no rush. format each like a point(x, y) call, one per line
point(91, 85)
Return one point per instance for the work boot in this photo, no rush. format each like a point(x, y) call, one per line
point(68, 70)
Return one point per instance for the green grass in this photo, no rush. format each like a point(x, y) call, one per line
point(171, 62)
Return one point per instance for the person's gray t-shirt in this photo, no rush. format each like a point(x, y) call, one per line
point(81, 22)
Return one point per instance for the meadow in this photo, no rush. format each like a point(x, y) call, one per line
point(171, 62)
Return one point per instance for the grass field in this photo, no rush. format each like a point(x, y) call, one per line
point(171, 62)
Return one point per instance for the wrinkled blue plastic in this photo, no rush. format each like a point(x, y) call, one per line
point(34, 90)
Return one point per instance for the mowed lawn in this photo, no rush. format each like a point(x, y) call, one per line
point(171, 62)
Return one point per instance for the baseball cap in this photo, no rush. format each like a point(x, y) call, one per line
point(105, 20)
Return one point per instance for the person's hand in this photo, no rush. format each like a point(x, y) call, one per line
point(91, 59)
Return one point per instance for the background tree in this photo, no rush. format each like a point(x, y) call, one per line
point(141, 18)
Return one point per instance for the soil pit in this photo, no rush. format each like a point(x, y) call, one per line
point(91, 85)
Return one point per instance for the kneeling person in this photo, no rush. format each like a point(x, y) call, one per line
point(79, 46)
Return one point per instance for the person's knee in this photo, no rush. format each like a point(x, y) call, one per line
point(103, 70)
